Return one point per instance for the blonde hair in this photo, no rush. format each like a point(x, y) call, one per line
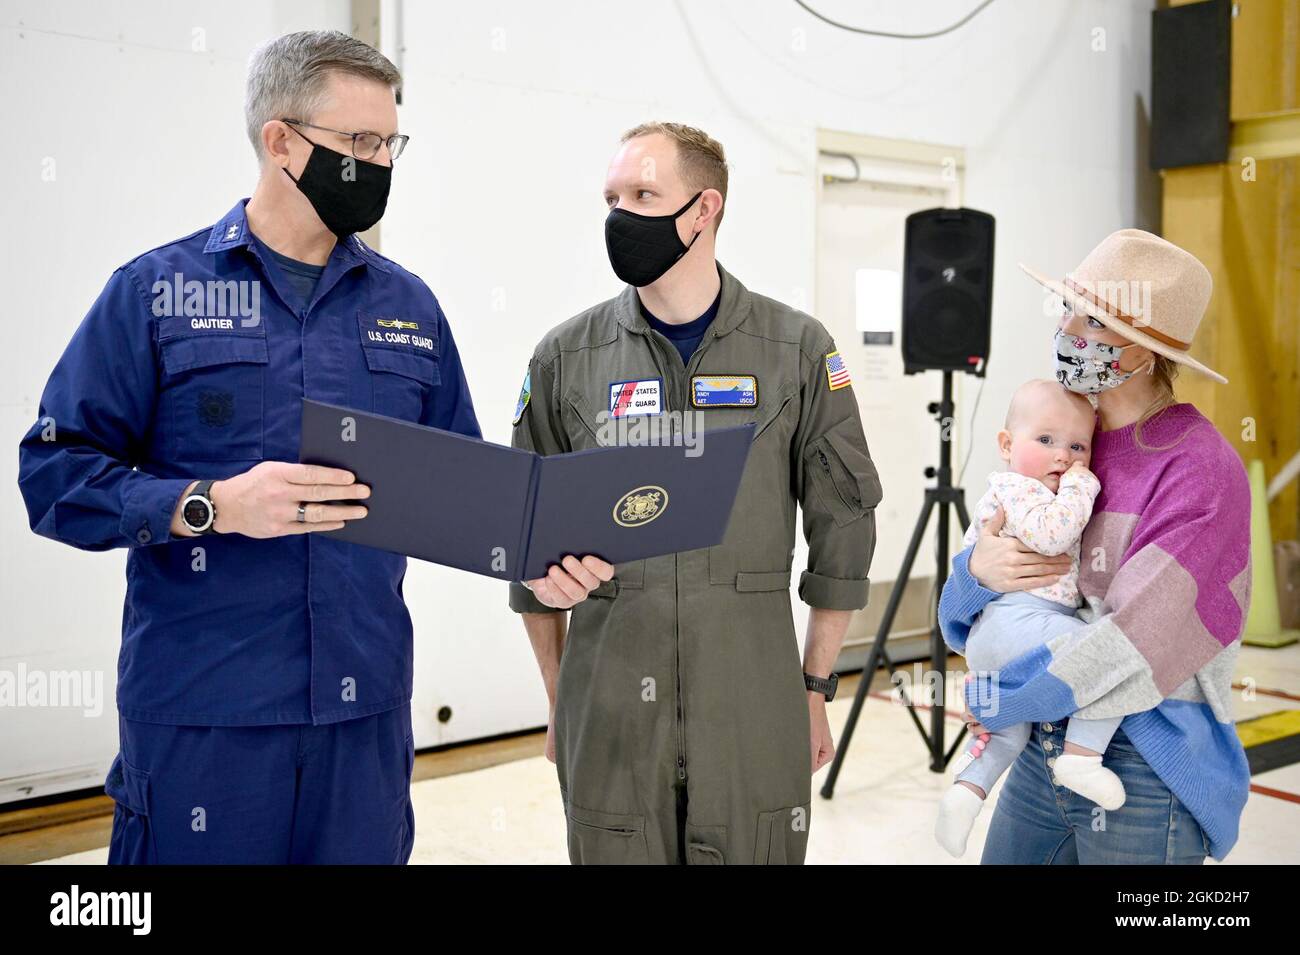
point(1164, 373)
point(701, 161)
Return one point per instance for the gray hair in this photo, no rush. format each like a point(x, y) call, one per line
point(287, 77)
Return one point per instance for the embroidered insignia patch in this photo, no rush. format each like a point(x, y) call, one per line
point(525, 393)
point(395, 333)
point(837, 373)
point(635, 397)
point(724, 391)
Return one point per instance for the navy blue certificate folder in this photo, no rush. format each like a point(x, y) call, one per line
point(510, 514)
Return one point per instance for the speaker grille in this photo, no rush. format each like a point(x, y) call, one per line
point(947, 290)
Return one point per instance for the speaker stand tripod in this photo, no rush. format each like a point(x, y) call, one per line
point(941, 496)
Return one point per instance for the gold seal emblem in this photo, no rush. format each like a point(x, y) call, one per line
point(641, 505)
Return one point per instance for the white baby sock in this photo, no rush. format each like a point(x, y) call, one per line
point(1090, 779)
point(957, 812)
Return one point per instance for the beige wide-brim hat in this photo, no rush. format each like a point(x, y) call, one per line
point(1143, 287)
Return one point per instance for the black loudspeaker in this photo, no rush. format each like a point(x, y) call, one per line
point(947, 290)
point(1191, 53)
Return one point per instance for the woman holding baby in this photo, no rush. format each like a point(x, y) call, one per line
point(1103, 594)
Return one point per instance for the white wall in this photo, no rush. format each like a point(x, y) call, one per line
point(146, 139)
point(514, 109)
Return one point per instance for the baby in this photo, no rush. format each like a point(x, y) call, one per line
point(1046, 493)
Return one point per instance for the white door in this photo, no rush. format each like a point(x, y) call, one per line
point(860, 227)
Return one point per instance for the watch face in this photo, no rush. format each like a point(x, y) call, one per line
point(197, 513)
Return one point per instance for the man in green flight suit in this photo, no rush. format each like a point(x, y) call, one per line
point(683, 726)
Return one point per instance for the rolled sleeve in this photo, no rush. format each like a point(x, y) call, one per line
point(833, 593)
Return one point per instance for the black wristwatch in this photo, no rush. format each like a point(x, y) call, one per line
point(198, 513)
point(825, 686)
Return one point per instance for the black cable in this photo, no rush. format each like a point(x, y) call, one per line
point(934, 582)
point(970, 431)
point(895, 36)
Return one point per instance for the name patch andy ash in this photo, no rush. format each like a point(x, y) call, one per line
point(724, 391)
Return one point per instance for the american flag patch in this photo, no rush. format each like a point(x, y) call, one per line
point(837, 373)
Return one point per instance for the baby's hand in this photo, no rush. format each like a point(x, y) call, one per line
point(1077, 468)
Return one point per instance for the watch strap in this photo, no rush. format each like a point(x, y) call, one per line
point(202, 489)
point(823, 685)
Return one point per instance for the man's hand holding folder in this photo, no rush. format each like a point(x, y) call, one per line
point(562, 587)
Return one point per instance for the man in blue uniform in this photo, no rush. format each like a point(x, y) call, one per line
point(265, 676)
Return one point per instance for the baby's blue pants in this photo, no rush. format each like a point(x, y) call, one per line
point(1007, 628)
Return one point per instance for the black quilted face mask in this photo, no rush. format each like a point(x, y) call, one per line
point(642, 248)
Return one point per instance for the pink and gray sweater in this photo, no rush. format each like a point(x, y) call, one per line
point(1164, 571)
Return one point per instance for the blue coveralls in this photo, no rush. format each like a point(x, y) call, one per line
point(264, 686)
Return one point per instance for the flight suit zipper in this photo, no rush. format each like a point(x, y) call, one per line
point(851, 500)
point(672, 385)
point(677, 652)
point(668, 366)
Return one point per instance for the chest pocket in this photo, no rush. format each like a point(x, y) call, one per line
point(213, 390)
point(584, 427)
point(402, 358)
point(754, 556)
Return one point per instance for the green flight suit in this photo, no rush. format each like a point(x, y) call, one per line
point(681, 719)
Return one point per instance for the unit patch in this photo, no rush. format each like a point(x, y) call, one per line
point(525, 393)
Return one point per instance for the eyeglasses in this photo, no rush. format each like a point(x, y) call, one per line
point(364, 145)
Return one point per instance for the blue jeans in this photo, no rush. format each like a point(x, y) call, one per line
point(1037, 822)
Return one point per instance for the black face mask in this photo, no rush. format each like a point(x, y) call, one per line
point(642, 248)
point(346, 205)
